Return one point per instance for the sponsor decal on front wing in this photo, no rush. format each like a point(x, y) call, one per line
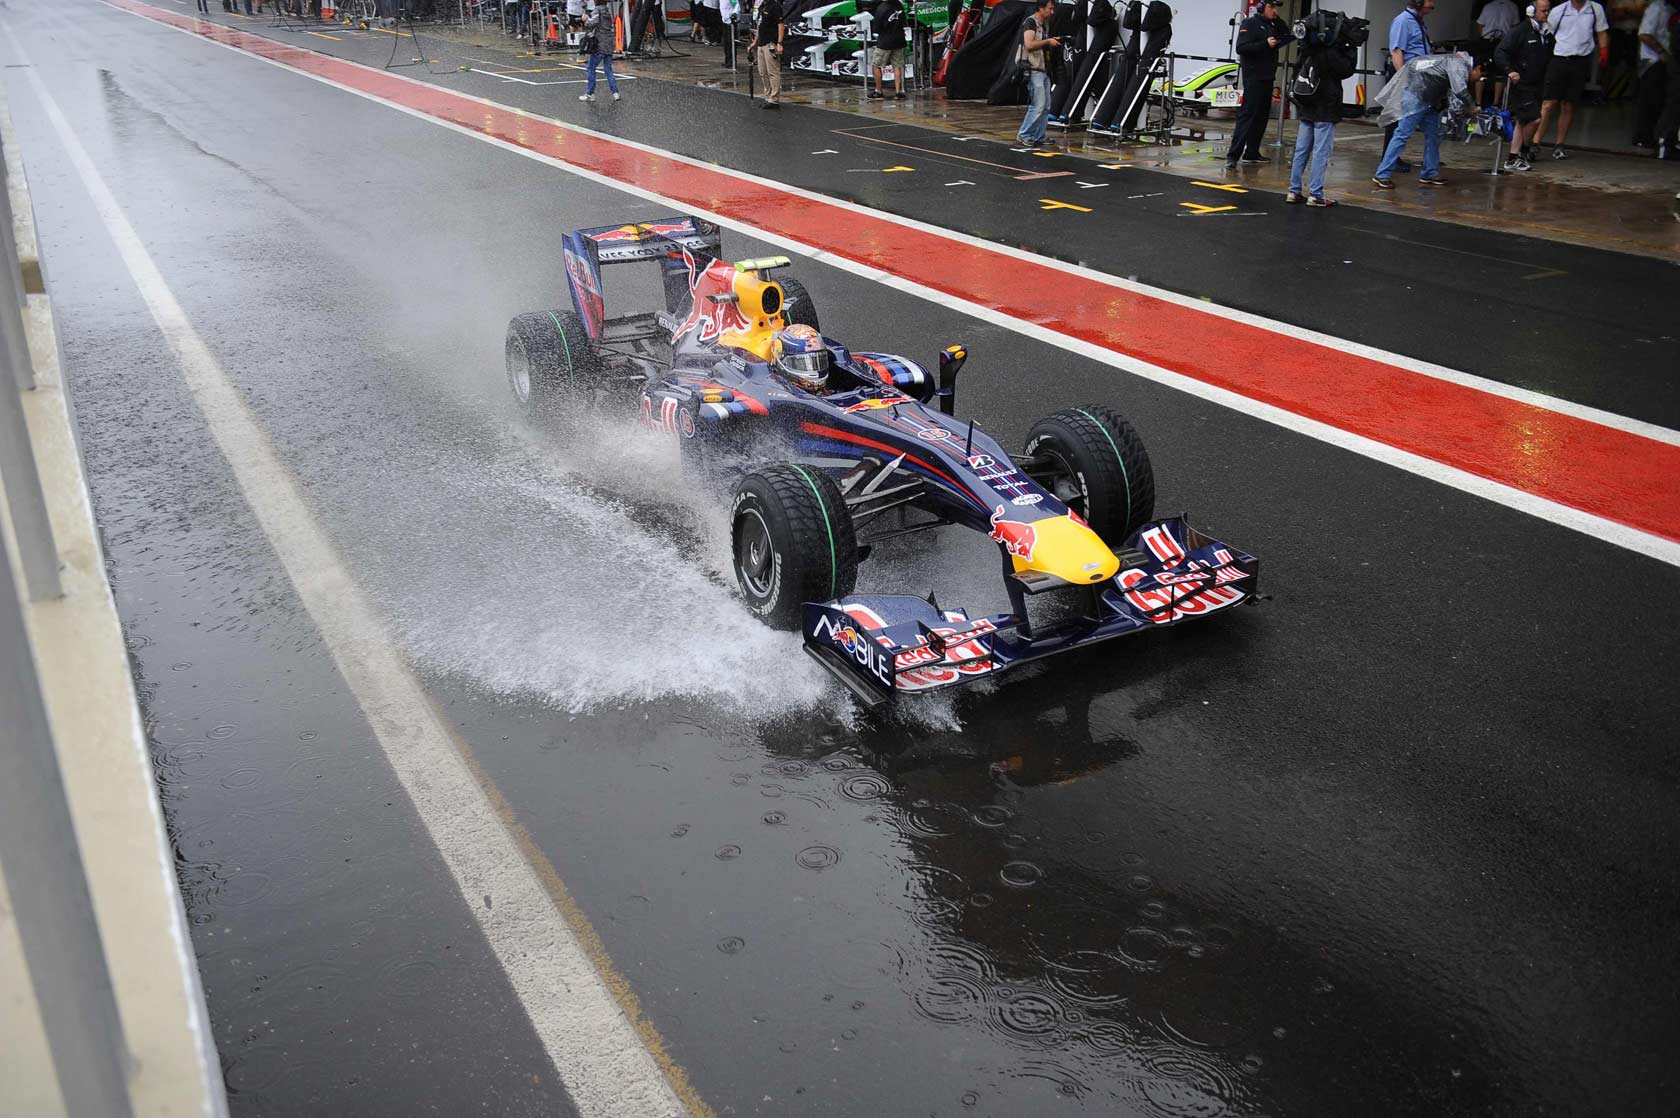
point(868, 655)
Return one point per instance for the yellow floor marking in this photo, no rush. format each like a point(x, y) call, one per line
point(320, 35)
point(1113, 166)
point(1220, 186)
point(1201, 211)
point(890, 170)
point(1052, 204)
point(1046, 154)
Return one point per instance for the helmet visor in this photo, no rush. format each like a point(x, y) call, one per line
point(806, 366)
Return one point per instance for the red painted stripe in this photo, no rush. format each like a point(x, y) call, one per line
point(1609, 473)
point(860, 440)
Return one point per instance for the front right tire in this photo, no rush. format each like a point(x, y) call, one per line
point(1098, 468)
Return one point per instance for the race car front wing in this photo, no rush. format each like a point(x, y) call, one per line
point(885, 645)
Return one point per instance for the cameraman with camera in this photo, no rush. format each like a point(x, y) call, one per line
point(1328, 58)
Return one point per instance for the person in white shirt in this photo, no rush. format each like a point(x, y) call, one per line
point(1492, 22)
point(1578, 24)
point(1653, 60)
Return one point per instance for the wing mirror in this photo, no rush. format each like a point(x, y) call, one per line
point(951, 360)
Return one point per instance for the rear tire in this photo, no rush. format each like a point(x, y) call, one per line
point(1101, 469)
point(797, 307)
point(551, 363)
point(792, 542)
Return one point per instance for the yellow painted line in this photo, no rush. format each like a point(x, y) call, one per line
point(1220, 186)
point(1115, 166)
point(1052, 204)
point(890, 170)
point(1201, 211)
point(1046, 154)
point(322, 35)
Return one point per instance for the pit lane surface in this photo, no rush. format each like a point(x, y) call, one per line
point(1399, 838)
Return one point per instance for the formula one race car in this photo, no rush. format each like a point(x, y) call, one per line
point(819, 444)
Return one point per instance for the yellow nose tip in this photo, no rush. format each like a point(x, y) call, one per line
point(1070, 551)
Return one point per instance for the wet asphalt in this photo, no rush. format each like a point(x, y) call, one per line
point(1400, 839)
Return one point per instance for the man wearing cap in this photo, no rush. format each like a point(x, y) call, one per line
point(1258, 40)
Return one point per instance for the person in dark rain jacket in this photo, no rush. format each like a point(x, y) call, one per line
point(1523, 55)
point(1258, 41)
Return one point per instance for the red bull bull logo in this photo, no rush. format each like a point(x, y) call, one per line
point(637, 232)
point(1018, 539)
point(879, 403)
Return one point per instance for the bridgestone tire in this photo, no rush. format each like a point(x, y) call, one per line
point(792, 542)
point(551, 364)
point(797, 306)
point(1103, 471)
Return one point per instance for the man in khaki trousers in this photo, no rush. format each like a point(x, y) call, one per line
point(766, 49)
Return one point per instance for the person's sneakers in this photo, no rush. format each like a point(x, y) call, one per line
point(1559, 153)
point(1383, 184)
point(1402, 166)
point(1292, 198)
point(1518, 163)
point(615, 95)
point(1319, 201)
point(586, 97)
point(1436, 181)
point(875, 95)
point(770, 105)
point(1255, 159)
point(899, 96)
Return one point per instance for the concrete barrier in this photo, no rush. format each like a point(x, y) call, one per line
point(101, 1009)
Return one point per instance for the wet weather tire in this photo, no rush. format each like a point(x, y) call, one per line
point(551, 364)
point(1099, 468)
point(792, 542)
point(797, 306)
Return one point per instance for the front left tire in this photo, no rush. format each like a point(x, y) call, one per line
point(792, 542)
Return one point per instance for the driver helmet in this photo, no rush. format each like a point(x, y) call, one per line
point(802, 356)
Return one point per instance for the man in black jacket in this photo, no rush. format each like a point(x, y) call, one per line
point(1318, 111)
point(1258, 40)
point(1523, 55)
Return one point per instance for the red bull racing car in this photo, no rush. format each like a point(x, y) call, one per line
point(827, 452)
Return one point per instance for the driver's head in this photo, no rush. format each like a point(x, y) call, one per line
point(802, 356)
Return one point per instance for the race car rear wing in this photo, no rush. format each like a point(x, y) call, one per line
point(586, 250)
point(618, 244)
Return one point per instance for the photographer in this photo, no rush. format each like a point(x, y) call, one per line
point(1258, 41)
point(1329, 57)
point(1414, 99)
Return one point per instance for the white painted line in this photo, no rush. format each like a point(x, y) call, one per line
point(960, 182)
point(1607, 530)
point(1083, 185)
point(600, 1057)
